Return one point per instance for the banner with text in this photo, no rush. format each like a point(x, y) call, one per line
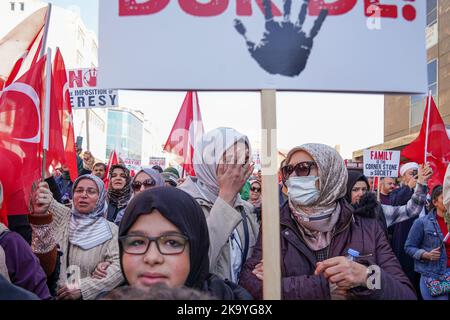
point(381, 163)
point(84, 93)
point(316, 45)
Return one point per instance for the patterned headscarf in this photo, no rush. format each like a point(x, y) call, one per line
point(119, 198)
point(333, 178)
point(88, 230)
point(333, 174)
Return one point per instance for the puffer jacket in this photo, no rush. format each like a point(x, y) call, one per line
point(298, 262)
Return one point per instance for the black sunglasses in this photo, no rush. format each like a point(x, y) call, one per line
point(255, 189)
point(301, 169)
point(136, 185)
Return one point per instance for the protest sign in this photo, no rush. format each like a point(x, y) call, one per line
point(84, 92)
point(381, 163)
point(157, 161)
point(343, 45)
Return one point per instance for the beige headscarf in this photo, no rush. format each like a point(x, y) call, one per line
point(332, 186)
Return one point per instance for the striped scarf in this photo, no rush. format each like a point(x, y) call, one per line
point(90, 230)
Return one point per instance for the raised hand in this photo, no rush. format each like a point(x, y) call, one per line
point(285, 47)
point(42, 198)
point(424, 174)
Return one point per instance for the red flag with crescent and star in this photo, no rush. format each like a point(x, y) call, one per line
point(62, 138)
point(21, 110)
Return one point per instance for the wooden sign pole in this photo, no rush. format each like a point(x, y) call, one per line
point(270, 201)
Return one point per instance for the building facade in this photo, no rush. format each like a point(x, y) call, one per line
point(403, 115)
point(79, 47)
point(125, 135)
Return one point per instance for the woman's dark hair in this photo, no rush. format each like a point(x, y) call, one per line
point(437, 191)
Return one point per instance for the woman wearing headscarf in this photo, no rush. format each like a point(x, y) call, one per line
point(318, 228)
point(82, 234)
point(221, 164)
point(366, 204)
point(119, 192)
point(255, 197)
point(145, 179)
point(164, 239)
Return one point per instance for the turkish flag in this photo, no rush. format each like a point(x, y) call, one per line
point(112, 161)
point(21, 109)
point(20, 48)
point(66, 151)
point(188, 127)
point(438, 147)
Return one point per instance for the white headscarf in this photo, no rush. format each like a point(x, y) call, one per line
point(209, 150)
point(90, 230)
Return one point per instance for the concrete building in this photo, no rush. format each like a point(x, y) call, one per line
point(403, 115)
point(79, 47)
point(125, 135)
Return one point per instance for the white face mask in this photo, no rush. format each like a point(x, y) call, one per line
point(302, 191)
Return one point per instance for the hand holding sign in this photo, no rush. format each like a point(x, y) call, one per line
point(285, 47)
point(425, 173)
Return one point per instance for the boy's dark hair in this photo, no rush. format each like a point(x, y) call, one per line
point(158, 291)
point(100, 164)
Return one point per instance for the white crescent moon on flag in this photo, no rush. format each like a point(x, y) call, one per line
point(32, 94)
point(65, 88)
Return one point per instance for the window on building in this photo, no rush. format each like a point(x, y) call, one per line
point(431, 12)
point(79, 58)
point(22, 6)
point(81, 36)
point(418, 102)
point(13, 6)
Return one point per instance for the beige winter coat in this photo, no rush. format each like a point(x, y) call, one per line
point(222, 219)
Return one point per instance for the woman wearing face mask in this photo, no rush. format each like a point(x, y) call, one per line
point(83, 235)
point(119, 192)
point(221, 163)
point(164, 239)
point(317, 228)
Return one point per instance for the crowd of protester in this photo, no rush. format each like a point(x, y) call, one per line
point(156, 234)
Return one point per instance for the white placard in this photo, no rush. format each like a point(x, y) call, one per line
point(84, 92)
point(227, 45)
point(384, 163)
point(157, 161)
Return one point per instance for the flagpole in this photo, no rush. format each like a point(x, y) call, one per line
point(46, 133)
point(47, 25)
point(427, 128)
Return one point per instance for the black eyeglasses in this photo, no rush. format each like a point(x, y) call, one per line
point(167, 244)
point(255, 189)
point(301, 169)
point(136, 185)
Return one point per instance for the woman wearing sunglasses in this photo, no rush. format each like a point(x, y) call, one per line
point(255, 197)
point(145, 179)
point(318, 227)
point(119, 192)
point(164, 239)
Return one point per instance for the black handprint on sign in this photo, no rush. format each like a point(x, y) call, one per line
point(284, 48)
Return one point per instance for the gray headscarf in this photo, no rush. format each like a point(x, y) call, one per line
point(333, 177)
point(155, 175)
point(90, 230)
point(209, 149)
